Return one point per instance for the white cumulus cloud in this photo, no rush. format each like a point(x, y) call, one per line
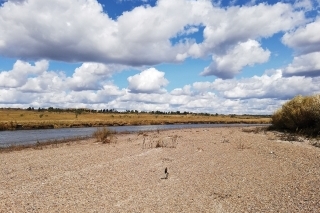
point(304, 65)
point(267, 86)
point(225, 27)
point(143, 36)
point(148, 81)
point(90, 76)
point(20, 72)
point(80, 31)
point(305, 39)
point(230, 64)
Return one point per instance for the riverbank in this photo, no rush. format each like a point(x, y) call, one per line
point(210, 170)
point(26, 120)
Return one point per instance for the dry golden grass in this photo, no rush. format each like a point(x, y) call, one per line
point(103, 135)
point(23, 119)
point(301, 114)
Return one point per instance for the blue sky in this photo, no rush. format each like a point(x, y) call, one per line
point(226, 57)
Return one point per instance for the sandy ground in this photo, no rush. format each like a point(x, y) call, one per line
point(210, 170)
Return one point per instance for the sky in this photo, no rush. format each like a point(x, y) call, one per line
point(210, 56)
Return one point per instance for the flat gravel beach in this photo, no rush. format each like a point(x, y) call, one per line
point(209, 170)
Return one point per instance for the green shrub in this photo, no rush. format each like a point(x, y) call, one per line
point(103, 135)
point(301, 114)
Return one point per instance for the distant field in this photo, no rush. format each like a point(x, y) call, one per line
point(24, 119)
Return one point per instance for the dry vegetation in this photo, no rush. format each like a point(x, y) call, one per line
point(300, 115)
point(23, 119)
point(297, 120)
point(104, 135)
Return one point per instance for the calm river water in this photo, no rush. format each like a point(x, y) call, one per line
point(19, 137)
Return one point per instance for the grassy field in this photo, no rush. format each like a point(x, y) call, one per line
point(23, 119)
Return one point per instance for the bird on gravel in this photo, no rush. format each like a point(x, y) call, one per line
point(166, 172)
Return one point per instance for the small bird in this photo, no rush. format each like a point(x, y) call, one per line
point(166, 173)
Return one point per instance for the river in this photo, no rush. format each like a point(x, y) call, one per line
point(25, 137)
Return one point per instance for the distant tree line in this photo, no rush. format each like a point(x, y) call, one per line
point(81, 110)
point(157, 112)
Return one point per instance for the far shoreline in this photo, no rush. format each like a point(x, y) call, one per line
point(47, 125)
point(17, 119)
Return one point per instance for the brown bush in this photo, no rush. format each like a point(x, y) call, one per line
point(301, 114)
point(103, 135)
